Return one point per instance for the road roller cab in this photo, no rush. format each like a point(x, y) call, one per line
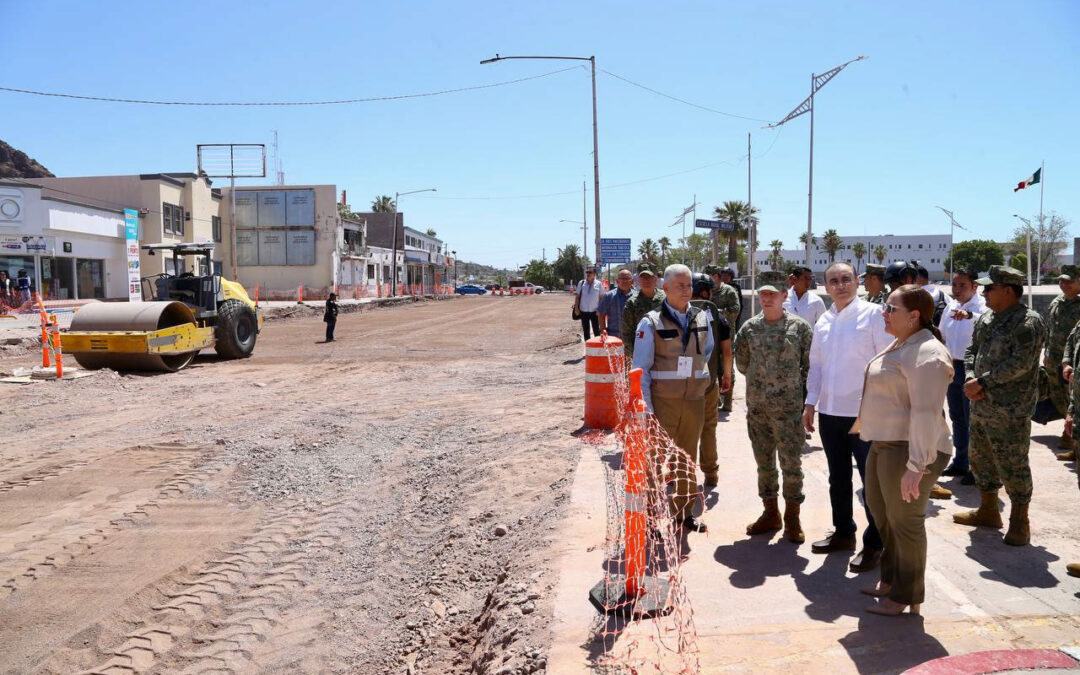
point(187, 312)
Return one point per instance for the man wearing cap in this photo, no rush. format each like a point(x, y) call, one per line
point(727, 275)
point(773, 350)
point(612, 303)
point(1062, 318)
point(642, 301)
point(720, 367)
point(1002, 366)
point(673, 345)
point(800, 300)
point(1072, 356)
point(728, 301)
point(874, 283)
point(899, 273)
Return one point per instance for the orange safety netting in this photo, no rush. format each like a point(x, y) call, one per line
point(647, 622)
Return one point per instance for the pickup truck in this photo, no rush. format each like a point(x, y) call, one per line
point(529, 286)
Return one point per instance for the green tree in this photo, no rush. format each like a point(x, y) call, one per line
point(802, 240)
point(859, 251)
point(1045, 246)
point(665, 246)
point(775, 259)
point(649, 250)
point(431, 232)
point(345, 212)
point(742, 216)
point(880, 253)
point(692, 250)
point(382, 204)
point(540, 273)
point(975, 254)
point(832, 243)
point(1017, 261)
point(569, 264)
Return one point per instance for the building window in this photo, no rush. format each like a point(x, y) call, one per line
point(920, 245)
point(215, 224)
point(172, 217)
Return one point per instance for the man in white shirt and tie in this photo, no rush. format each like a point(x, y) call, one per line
point(957, 327)
point(848, 335)
point(800, 300)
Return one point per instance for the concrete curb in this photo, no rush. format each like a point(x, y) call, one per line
point(978, 663)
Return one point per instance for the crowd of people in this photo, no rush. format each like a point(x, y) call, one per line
point(873, 372)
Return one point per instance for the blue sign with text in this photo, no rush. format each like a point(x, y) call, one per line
point(614, 251)
point(723, 225)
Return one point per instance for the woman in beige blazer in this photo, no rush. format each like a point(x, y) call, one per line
point(902, 414)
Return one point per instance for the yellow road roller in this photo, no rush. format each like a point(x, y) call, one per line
point(187, 313)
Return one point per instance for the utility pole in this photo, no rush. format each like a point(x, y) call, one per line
point(1027, 223)
point(393, 223)
point(952, 224)
point(816, 83)
point(753, 230)
point(1042, 187)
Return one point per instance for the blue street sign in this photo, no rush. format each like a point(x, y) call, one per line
point(723, 225)
point(614, 251)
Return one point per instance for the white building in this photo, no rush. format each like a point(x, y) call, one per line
point(71, 249)
point(931, 250)
point(424, 260)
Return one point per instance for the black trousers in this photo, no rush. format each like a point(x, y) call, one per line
point(840, 447)
point(590, 319)
point(330, 324)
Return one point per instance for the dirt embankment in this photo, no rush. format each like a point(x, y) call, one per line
point(380, 504)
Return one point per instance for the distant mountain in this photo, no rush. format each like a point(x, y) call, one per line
point(16, 164)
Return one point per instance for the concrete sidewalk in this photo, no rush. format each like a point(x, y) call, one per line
point(764, 605)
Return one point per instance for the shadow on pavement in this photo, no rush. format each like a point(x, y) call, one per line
point(571, 362)
point(1051, 442)
point(1017, 566)
point(830, 592)
point(884, 644)
point(757, 558)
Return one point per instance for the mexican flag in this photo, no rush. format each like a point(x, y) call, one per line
point(1031, 180)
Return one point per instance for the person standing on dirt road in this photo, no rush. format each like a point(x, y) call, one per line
point(673, 347)
point(330, 316)
point(587, 301)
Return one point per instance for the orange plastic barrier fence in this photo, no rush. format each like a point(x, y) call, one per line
point(601, 406)
point(636, 464)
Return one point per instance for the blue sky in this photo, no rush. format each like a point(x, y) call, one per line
point(957, 102)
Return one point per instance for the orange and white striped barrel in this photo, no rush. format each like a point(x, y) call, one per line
point(601, 406)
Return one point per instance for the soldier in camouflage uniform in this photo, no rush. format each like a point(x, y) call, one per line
point(1002, 367)
point(773, 350)
point(642, 301)
point(874, 283)
point(727, 300)
point(1063, 317)
point(720, 369)
point(1071, 356)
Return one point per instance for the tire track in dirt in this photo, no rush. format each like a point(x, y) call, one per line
point(73, 529)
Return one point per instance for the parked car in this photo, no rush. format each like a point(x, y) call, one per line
point(469, 289)
point(492, 287)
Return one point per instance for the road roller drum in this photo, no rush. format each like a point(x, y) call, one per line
point(156, 336)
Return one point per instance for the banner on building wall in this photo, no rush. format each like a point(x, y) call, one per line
point(131, 232)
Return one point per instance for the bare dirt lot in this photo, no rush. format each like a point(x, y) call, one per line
point(385, 503)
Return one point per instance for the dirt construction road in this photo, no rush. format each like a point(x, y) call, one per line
point(381, 504)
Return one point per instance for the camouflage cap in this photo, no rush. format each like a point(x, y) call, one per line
point(1069, 273)
point(647, 268)
point(712, 269)
point(771, 281)
point(1000, 274)
point(876, 270)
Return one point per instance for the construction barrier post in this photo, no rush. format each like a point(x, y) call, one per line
point(57, 351)
point(634, 593)
point(601, 407)
point(300, 294)
point(256, 295)
point(46, 345)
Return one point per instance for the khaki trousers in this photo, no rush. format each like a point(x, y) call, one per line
point(902, 524)
point(681, 419)
point(707, 458)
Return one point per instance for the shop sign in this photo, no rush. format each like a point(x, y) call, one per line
point(131, 235)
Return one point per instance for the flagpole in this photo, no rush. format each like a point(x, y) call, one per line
point(1042, 184)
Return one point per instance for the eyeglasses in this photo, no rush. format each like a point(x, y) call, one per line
point(889, 309)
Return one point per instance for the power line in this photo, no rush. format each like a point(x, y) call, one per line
point(683, 101)
point(347, 101)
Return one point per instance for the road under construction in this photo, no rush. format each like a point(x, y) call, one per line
point(420, 497)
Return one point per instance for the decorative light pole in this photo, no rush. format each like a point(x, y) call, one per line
point(816, 83)
point(596, 151)
point(952, 244)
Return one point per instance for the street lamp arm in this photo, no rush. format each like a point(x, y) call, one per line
point(557, 58)
point(819, 82)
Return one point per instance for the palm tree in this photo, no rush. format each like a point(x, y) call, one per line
point(664, 244)
point(859, 251)
point(802, 240)
point(880, 252)
point(382, 204)
point(648, 250)
point(832, 243)
point(775, 261)
point(742, 216)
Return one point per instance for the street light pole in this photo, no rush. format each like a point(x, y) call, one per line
point(393, 224)
point(807, 106)
point(584, 239)
point(952, 244)
point(596, 150)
